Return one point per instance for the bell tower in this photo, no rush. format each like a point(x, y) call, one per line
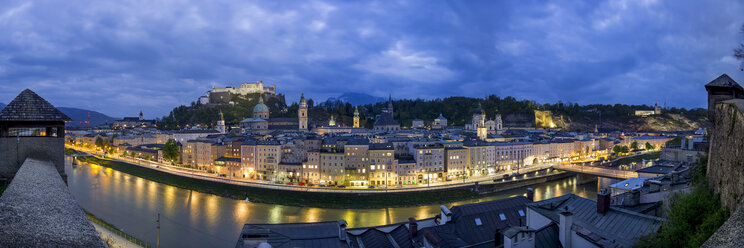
point(302, 113)
point(356, 117)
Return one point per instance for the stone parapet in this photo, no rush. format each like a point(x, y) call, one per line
point(37, 210)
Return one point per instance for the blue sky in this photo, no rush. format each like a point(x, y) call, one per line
point(119, 57)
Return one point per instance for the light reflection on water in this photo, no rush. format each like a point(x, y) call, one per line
point(193, 219)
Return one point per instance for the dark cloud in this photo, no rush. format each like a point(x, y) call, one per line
point(125, 56)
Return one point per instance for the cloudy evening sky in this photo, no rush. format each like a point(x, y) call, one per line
point(118, 57)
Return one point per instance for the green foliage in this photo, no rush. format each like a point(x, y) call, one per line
point(171, 150)
point(649, 146)
point(624, 149)
point(617, 149)
point(634, 145)
point(677, 141)
point(692, 217)
point(457, 109)
point(638, 158)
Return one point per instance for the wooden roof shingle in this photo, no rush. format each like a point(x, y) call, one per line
point(28, 106)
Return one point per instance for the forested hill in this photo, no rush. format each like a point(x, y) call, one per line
point(458, 110)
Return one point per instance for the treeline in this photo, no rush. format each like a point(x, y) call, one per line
point(457, 109)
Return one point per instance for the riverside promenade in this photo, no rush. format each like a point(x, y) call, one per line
point(524, 174)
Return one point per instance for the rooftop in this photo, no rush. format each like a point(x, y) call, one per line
point(28, 106)
point(612, 226)
point(724, 81)
point(318, 234)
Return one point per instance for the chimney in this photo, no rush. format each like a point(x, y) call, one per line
point(564, 226)
point(445, 216)
point(603, 201)
point(412, 227)
point(342, 229)
point(498, 239)
point(430, 238)
point(531, 194)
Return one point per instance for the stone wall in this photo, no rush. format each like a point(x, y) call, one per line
point(726, 159)
point(13, 153)
point(37, 210)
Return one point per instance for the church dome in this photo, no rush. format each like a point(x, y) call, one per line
point(261, 107)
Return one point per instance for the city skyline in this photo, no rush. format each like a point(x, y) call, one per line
point(120, 58)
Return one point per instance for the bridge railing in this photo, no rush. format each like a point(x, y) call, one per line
point(597, 171)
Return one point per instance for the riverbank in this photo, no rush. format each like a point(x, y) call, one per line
point(297, 198)
point(115, 237)
point(290, 198)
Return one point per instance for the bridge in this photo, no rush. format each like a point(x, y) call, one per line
point(596, 171)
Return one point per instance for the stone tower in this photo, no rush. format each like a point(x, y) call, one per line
point(302, 113)
point(221, 124)
point(356, 117)
point(721, 89)
point(332, 122)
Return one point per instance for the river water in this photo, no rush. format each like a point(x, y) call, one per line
point(192, 219)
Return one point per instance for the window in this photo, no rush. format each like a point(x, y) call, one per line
point(478, 222)
point(502, 216)
point(521, 213)
point(30, 131)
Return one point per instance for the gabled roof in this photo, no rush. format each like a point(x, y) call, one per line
point(319, 234)
point(476, 223)
point(724, 81)
point(618, 225)
point(28, 106)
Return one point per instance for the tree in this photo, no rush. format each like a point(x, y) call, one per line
point(634, 145)
point(649, 146)
point(99, 142)
point(617, 149)
point(171, 151)
point(739, 52)
point(625, 149)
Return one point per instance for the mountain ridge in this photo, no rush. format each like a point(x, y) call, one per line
point(356, 98)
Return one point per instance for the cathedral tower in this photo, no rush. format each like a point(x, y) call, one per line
point(356, 117)
point(221, 124)
point(302, 113)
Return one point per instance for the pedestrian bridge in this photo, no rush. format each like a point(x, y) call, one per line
point(597, 171)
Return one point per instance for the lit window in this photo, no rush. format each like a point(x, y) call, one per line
point(521, 213)
point(478, 222)
point(502, 217)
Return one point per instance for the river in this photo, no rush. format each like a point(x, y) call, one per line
point(192, 219)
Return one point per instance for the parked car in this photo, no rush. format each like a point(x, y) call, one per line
point(290, 183)
point(341, 186)
point(301, 184)
point(371, 187)
point(277, 182)
point(310, 185)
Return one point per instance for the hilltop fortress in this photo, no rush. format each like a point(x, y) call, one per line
point(224, 95)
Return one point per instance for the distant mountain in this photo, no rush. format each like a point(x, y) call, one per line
point(357, 98)
point(79, 116)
